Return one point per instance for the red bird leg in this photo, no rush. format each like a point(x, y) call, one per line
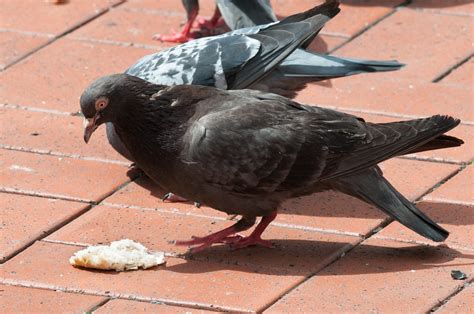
point(239, 242)
point(185, 34)
point(243, 224)
point(209, 23)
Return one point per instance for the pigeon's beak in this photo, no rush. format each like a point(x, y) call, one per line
point(90, 126)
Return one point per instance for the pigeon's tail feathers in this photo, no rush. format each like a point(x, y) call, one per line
point(386, 140)
point(442, 141)
point(328, 8)
point(278, 41)
point(429, 132)
point(373, 188)
point(304, 64)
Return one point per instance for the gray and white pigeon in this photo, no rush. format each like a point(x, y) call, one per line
point(244, 152)
point(257, 57)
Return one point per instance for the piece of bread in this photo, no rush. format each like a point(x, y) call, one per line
point(119, 255)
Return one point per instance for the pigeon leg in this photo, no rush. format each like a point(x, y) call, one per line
point(185, 34)
point(213, 22)
point(198, 244)
point(239, 242)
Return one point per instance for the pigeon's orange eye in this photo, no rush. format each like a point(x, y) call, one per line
point(101, 103)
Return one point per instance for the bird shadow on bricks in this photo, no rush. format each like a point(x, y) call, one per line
point(335, 204)
point(303, 257)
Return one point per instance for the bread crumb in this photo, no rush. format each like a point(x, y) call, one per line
point(119, 255)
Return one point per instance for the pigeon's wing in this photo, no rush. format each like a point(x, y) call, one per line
point(259, 143)
point(205, 61)
point(280, 40)
point(267, 143)
point(246, 13)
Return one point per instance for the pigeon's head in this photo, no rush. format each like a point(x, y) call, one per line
point(102, 100)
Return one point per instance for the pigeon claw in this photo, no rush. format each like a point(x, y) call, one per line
point(175, 37)
point(250, 241)
point(173, 198)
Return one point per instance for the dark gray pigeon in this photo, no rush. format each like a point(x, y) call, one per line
point(250, 56)
point(244, 152)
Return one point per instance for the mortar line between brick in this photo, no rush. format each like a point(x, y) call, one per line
point(453, 68)
point(61, 35)
point(368, 27)
point(59, 154)
point(62, 223)
point(98, 305)
point(124, 296)
point(456, 291)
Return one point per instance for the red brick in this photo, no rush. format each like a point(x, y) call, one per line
point(459, 7)
point(457, 190)
point(39, 131)
point(188, 282)
point(457, 219)
point(126, 306)
point(429, 44)
point(353, 18)
point(28, 300)
point(40, 16)
point(380, 276)
point(460, 303)
point(324, 43)
point(127, 26)
point(15, 45)
point(296, 252)
point(56, 76)
point(169, 7)
point(463, 75)
point(369, 93)
point(26, 218)
point(59, 176)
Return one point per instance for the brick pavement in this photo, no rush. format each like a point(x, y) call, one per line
point(333, 253)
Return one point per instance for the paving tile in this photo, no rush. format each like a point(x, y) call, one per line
point(460, 303)
point(458, 190)
point(169, 7)
point(296, 252)
point(126, 306)
point(353, 18)
point(461, 7)
point(324, 43)
point(28, 300)
point(15, 45)
point(370, 93)
point(457, 219)
point(26, 218)
point(38, 131)
point(59, 176)
point(394, 38)
point(130, 27)
point(463, 75)
point(40, 16)
point(336, 211)
point(379, 276)
point(59, 84)
point(194, 283)
point(461, 154)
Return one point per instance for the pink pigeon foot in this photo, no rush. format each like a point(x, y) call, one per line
point(175, 37)
point(228, 234)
